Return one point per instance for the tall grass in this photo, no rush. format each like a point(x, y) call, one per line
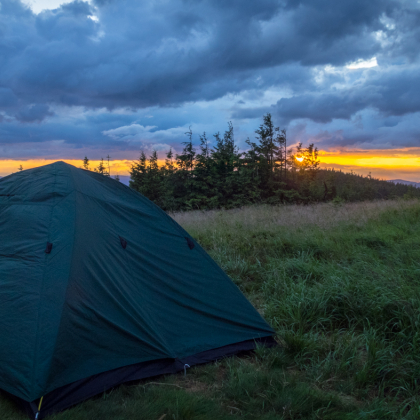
point(341, 286)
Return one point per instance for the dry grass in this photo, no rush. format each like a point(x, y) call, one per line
point(323, 215)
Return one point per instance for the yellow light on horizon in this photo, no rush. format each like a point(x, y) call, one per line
point(386, 163)
point(9, 166)
point(372, 161)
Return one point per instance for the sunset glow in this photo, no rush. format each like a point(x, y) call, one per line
point(384, 164)
point(72, 86)
point(118, 167)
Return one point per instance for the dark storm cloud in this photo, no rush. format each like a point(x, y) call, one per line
point(168, 52)
point(32, 113)
point(159, 53)
point(394, 93)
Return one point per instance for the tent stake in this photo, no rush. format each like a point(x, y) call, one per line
point(39, 408)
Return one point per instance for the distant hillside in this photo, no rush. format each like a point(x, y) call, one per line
point(401, 181)
point(125, 179)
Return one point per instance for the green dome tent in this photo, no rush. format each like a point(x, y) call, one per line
point(99, 286)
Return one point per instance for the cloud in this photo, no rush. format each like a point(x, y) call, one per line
point(32, 113)
point(339, 95)
point(142, 54)
point(391, 93)
point(147, 138)
point(129, 133)
point(107, 61)
point(363, 64)
point(366, 130)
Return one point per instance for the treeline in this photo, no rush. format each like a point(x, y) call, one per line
point(219, 176)
point(103, 167)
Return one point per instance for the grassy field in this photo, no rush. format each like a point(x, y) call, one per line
point(341, 286)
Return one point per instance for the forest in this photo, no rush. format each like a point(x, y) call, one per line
point(215, 174)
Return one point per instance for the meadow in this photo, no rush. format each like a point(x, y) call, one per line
point(340, 283)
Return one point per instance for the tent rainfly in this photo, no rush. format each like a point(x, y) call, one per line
point(99, 286)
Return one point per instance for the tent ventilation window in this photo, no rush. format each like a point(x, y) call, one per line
point(190, 243)
point(123, 242)
point(48, 248)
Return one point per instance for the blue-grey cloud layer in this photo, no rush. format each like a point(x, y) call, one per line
point(158, 54)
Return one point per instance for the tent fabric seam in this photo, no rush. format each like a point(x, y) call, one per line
point(68, 280)
point(46, 259)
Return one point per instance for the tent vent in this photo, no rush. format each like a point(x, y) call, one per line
point(48, 248)
point(123, 242)
point(190, 243)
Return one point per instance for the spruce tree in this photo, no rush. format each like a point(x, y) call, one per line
point(138, 173)
point(169, 162)
point(204, 193)
point(185, 162)
point(281, 153)
point(186, 159)
point(86, 163)
point(167, 183)
point(154, 180)
point(267, 147)
point(101, 169)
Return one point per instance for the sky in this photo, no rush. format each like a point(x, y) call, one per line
point(110, 77)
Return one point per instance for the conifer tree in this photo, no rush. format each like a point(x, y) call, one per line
point(221, 176)
point(226, 159)
point(138, 173)
point(185, 162)
point(101, 169)
point(281, 152)
point(251, 159)
point(168, 176)
point(186, 159)
point(169, 163)
point(267, 147)
point(204, 192)
point(153, 182)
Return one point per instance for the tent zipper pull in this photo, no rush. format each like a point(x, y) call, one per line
point(185, 369)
